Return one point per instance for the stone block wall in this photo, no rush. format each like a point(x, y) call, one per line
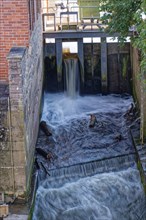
point(32, 72)
point(22, 113)
point(17, 130)
point(139, 90)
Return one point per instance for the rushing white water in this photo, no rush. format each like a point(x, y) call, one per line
point(58, 108)
point(108, 196)
point(81, 185)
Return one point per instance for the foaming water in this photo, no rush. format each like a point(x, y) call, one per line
point(58, 108)
point(93, 176)
point(108, 196)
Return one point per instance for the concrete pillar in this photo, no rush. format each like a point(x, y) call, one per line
point(16, 156)
point(104, 79)
point(81, 60)
point(59, 62)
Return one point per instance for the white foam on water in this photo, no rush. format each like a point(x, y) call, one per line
point(58, 108)
point(107, 196)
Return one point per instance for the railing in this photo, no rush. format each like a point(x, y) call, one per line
point(60, 15)
point(65, 19)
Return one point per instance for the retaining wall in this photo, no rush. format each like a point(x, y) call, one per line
point(22, 112)
point(139, 90)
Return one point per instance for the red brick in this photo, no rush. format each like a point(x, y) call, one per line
point(14, 25)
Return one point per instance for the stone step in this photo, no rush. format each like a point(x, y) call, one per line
point(16, 217)
point(4, 210)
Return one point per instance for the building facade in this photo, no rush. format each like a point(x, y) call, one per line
point(17, 20)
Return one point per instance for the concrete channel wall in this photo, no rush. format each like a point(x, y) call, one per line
point(20, 111)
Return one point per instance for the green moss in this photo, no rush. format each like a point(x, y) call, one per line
point(137, 141)
point(31, 212)
point(143, 180)
point(29, 185)
point(144, 133)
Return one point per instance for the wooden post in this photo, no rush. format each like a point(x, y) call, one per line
point(81, 60)
point(104, 65)
point(59, 62)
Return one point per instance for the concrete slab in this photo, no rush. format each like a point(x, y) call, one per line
point(16, 217)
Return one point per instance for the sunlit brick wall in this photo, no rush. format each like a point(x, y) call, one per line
point(14, 29)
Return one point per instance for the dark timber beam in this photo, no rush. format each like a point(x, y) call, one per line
point(78, 34)
point(81, 58)
point(59, 62)
point(104, 82)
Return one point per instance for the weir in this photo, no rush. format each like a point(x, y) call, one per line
point(88, 167)
point(74, 155)
point(104, 67)
point(92, 171)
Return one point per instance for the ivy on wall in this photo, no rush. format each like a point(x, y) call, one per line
point(123, 16)
point(126, 14)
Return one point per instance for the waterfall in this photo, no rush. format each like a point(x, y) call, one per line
point(60, 176)
point(71, 77)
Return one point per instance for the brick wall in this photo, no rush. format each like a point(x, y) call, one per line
point(14, 29)
point(20, 111)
